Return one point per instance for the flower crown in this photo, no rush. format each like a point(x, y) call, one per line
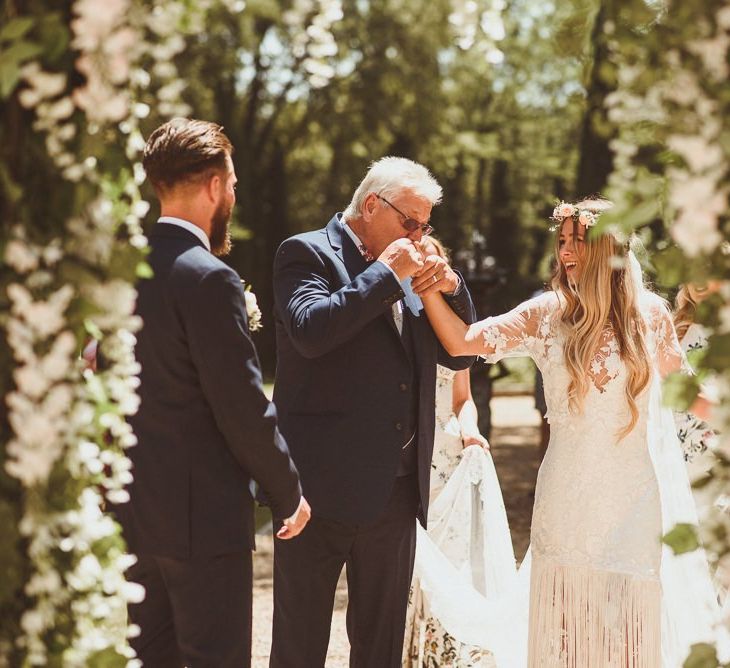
point(565, 210)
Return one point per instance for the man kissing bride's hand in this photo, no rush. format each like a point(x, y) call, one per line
point(436, 275)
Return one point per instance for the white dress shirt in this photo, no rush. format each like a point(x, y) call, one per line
point(186, 225)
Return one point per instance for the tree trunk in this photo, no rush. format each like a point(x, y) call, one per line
point(595, 162)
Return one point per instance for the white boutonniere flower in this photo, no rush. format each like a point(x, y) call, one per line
point(252, 310)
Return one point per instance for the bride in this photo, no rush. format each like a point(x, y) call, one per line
point(602, 590)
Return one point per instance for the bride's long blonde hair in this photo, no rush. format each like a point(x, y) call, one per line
point(685, 308)
point(606, 294)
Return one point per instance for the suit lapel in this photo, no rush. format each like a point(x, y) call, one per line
point(354, 262)
point(344, 248)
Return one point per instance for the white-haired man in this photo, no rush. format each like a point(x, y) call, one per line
point(355, 386)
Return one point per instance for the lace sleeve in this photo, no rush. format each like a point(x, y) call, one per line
point(520, 333)
point(669, 354)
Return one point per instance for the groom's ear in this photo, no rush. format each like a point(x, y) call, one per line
point(214, 188)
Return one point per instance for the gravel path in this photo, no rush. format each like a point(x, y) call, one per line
point(514, 449)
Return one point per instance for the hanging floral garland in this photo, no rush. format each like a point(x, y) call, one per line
point(672, 166)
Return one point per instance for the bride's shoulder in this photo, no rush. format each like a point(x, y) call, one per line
point(655, 307)
point(545, 302)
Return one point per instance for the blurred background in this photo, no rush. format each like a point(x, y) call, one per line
point(499, 117)
point(495, 99)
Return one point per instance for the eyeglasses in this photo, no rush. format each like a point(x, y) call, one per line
point(411, 224)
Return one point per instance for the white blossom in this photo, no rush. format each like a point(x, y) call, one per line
point(699, 154)
point(21, 256)
point(723, 17)
point(41, 85)
point(31, 381)
point(714, 54)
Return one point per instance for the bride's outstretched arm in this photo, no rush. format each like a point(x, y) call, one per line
point(517, 333)
point(455, 335)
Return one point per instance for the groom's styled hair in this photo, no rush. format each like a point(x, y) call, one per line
point(392, 175)
point(185, 150)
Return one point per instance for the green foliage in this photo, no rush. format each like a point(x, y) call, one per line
point(23, 39)
point(718, 354)
point(679, 391)
point(703, 656)
point(501, 139)
point(682, 538)
point(15, 51)
point(108, 658)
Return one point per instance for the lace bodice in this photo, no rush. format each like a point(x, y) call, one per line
point(596, 499)
point(533, 329)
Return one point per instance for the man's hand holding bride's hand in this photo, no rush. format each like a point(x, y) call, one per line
point(403, 256)
point(435, 276)
point(293, 526)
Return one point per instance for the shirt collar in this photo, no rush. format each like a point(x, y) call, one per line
point(186, 225)
point(356, 240)
point(350, 233)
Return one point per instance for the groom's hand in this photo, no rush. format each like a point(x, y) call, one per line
point(403, 256)
point(293, 526)
point(435, 276)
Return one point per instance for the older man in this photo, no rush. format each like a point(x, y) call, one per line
point(355, 387)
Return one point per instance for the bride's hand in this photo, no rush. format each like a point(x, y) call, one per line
point(475, 439)
point(435, 276)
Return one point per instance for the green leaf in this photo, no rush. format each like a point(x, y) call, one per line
point(9, 77)
point(144, 270)
point(20, 51)
point(679, 391)
point(54, 34)
point(682, 538)
point(10, 61)
point(16, 28)
point(671, 266)
point(702, 655)
point(718, 353)
point(93, 329)
point(12, 190)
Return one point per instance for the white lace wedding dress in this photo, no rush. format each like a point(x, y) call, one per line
point(602, 592)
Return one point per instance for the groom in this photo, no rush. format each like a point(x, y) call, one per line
point(355, 386)
point(205, 428)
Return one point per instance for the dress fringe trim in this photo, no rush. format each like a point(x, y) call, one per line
point(586, 618)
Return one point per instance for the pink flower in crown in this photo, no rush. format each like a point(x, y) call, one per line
point(563, 210)
point(587, 218)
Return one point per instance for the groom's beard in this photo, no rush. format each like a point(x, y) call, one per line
point(220, 233)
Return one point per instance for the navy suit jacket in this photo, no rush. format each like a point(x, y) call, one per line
point(343, 373)
point(204, 426)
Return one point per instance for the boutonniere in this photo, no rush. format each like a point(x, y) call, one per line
point(252, 309)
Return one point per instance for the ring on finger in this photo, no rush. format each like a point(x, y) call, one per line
point(435, 279)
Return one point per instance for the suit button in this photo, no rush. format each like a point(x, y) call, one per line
point(403, 387)
point(399, 426)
